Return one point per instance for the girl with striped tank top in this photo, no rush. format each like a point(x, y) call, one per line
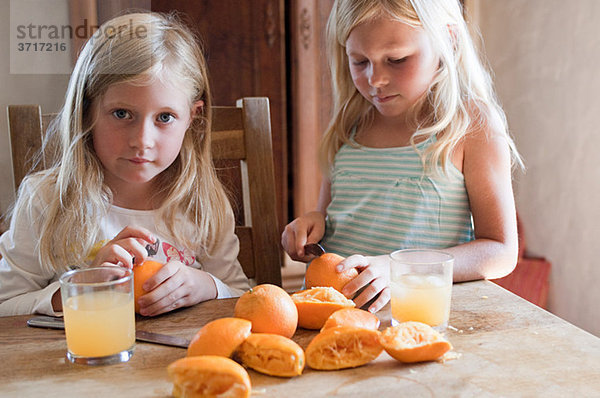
point(417, 154)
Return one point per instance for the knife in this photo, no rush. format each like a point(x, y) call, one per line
point(140, 335)
point(315, 249)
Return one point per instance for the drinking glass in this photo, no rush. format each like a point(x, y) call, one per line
point(421, 285)
point(99, 315)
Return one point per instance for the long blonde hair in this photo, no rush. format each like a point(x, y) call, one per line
point(129, 48)
point(460, 97)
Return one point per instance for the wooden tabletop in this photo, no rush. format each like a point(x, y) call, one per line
point(504, 346)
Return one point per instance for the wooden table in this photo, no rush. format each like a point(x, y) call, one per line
point(506, 347)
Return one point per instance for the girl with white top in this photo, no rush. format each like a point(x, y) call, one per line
point(133, 178)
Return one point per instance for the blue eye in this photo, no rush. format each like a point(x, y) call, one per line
point(165, 117)
point(121, 114)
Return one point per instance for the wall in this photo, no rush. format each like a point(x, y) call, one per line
point(44, 89)
point(545, 55)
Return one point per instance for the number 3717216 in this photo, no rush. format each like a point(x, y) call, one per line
point(41, 46)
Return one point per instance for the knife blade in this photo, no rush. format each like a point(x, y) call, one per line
point(140, 335)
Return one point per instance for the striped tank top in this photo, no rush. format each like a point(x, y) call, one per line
point(381, 201)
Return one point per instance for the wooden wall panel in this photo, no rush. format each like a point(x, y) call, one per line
point(311, 98)
point(245, 47)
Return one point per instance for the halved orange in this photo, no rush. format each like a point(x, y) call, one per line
point(352, 317)
point(209, 376)
point(316, 304)
point(414, 342)
point(220, 337)
point(272, 354)
point(321, 272)
point(343, 347)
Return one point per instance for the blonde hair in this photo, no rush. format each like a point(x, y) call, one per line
point(460, 97)
point(130, 48)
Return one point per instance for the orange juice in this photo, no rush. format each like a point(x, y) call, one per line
point(423, 298)
point(99, 323)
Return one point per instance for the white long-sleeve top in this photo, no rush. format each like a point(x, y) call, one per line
point(26, 286)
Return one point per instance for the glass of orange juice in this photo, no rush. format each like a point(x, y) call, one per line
point(99, 315)
point(421, 285)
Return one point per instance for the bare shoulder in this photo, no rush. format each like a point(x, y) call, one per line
point(487, 140)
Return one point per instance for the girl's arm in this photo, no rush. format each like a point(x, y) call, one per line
point(486, 166)
point(308, 228)
point(324, 196)
point(223, 266)
point(26, 287)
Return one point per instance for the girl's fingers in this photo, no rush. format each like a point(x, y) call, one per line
point(370, 269)
point(167, 276)
point(362, 279)
point(314, 236)
point(382, 300)
point(123, 251)
point(359, 282)
point(372, 290)
point(289, 241)
point(299, 238)
point(129, 235)
point(127, 247)
point(108, 264)
point(135, 248)
point(115, 255)
point(165, 304)
point(354, 261)
point(164, 294)
point(158, 299)
point(301, 231)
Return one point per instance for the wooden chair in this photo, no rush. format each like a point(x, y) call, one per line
point(241, 134)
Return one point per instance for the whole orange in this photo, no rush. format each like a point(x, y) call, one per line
point(141, 273)
point(321, 272)
point(269, 308)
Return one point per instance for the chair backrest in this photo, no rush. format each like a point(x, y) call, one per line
point(242, 150)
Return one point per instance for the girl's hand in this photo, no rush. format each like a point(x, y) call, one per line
point(374, 276)
point(308, 228)
point(128, 246)
point(175, 285)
